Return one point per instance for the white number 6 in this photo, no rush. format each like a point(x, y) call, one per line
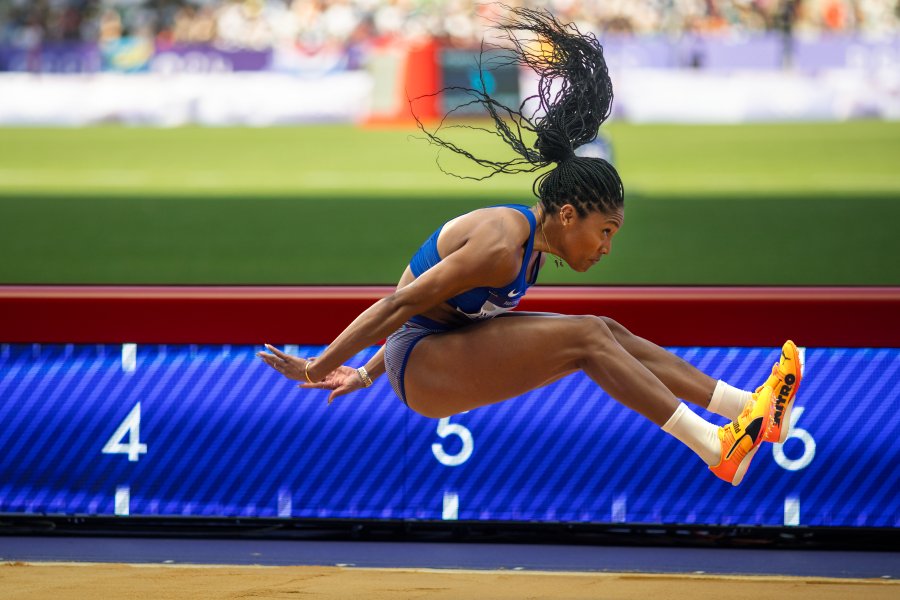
point(446, 428)
point(809, 445)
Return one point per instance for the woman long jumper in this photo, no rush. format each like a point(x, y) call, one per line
point(452, 343)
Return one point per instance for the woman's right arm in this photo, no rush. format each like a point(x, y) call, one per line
point(485, 259)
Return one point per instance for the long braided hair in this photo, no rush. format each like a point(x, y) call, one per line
point(574, 97)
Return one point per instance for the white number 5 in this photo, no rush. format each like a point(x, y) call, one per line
point(446, 428)
point(130, 426)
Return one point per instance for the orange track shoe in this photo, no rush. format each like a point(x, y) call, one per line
point(784, 383)
point(742, 437)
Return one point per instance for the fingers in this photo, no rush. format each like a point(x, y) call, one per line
point(273, 361)
point(277, 352)
point(344, 389)
point(267, 358)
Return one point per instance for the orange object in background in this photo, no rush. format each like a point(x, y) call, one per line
point(407, 79)
point(834, 14)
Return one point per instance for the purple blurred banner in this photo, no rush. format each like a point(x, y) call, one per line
point(208, 59)
point(760, 52)
point(624, 52)
point(51, 58)
point(694, 52)
point(763, 52)
point(130, 55)
point(846, 52)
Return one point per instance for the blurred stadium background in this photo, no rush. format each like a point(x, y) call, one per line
point(270, 141)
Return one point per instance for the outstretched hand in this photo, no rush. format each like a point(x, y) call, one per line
point(341, 381)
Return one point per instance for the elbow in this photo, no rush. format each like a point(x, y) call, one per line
point(401, 305)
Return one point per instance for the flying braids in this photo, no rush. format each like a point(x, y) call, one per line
point(574, 97)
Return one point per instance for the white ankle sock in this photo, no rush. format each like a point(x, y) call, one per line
point(693, 431)
point(728, 401)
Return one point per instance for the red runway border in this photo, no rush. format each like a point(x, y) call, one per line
point(671, 316)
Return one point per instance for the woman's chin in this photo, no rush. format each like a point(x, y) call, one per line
point(588, 265)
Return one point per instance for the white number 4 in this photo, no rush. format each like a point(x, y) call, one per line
point(130, 426)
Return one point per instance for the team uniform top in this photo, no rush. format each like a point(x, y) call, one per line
point(483, 302)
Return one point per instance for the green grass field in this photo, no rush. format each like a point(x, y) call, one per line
point(760, 204)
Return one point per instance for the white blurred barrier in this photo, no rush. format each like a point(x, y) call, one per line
point(746, 96)
point(256, 99)
point(682, 96)
point(260, 99)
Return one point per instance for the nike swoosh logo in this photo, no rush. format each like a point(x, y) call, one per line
point(514, 293)
point(752, 431)
point(734, 447)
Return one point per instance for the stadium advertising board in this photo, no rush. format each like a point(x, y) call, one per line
point(211, 431)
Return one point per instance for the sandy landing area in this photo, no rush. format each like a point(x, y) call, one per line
point(94, 581)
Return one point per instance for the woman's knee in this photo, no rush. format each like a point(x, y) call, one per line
point(591, 326)
point(590, 336)
point(617, 329)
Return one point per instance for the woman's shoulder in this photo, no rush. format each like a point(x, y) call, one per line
point(504, 226)
point(493, 238)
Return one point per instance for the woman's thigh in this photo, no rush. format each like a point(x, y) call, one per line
point(492, 361)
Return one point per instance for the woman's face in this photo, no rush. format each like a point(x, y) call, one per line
point(585, 240)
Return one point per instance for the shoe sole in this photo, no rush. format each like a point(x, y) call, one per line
point(789, 405)
point(742, 468)
point(745, 462)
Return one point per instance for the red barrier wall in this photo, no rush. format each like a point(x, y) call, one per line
point(672, 316)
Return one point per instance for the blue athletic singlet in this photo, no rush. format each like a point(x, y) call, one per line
point(482, 302)
point(479, 303)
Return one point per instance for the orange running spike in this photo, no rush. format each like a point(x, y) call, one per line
point(742, 437)
point(784, 383)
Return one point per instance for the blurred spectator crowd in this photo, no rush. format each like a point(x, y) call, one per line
point(263, 24)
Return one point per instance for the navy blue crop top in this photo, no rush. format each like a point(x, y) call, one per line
point(483, 302)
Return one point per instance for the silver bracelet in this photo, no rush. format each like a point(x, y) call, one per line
point(364, 375)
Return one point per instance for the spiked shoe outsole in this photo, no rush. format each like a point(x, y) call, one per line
point(784, 390)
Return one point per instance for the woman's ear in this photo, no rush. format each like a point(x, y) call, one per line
point(567, 215)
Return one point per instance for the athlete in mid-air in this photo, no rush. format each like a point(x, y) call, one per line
point(452, 343)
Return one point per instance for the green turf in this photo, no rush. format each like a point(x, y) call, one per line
point(762, 204)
